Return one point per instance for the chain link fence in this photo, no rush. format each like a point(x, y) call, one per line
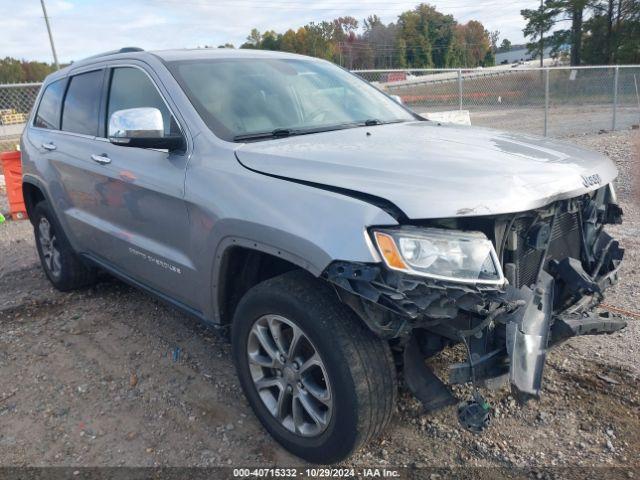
point(16, 101)
point(554, 101)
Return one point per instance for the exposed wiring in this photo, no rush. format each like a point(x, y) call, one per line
point(619, 310)
point(471, 365)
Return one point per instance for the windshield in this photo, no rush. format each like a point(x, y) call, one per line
point(241, 98)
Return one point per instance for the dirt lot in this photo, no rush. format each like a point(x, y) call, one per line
point(563, 120)
point(109, 376)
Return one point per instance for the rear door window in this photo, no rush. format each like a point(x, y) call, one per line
point(80, 113)
point(48, 114)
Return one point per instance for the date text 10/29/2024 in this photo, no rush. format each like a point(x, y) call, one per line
point(315, 473)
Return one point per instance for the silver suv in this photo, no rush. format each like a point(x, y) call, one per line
point(339, 237)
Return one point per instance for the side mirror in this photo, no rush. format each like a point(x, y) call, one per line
point(397, 98)
point(142, 128)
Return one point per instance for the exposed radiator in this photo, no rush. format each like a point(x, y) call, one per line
point(565, 242)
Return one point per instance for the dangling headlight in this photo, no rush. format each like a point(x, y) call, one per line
point(450, 255)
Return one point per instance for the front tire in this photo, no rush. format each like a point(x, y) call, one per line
point(319, 381)
point(60, 263)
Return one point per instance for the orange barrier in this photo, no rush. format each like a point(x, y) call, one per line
point(12, 169)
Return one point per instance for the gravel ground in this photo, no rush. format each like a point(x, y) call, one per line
point(563, 120)
point(108, 376)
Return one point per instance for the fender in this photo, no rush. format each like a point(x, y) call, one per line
point(226, 245)
point(28, 179)
point(233, 233)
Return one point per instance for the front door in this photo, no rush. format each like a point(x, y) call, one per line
point(128, 209)
point(141, 196)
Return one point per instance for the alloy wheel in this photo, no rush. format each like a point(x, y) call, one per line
point(49, 247)
point(289, 375)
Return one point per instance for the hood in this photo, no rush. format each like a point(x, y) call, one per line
point(436, 171)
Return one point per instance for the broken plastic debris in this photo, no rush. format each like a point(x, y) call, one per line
point(475, 413)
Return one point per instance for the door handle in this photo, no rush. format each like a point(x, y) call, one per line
point(101, 159)
point(48, 146)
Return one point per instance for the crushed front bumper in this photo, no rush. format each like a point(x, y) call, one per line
point(506, 330)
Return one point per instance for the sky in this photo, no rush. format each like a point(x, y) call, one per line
point(86, 27)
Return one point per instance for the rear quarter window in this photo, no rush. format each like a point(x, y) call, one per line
point(48, 113)
point(80, 113)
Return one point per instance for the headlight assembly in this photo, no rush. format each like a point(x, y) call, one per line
point(450, 255)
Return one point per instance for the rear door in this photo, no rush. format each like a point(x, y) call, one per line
point(39, 149)
point(71, 172)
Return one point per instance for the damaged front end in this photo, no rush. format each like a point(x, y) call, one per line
point(556, 262)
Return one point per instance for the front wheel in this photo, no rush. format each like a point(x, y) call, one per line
point(319, 381)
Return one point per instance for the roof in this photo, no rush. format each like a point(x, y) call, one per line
point(175, 55)
point(206, 53)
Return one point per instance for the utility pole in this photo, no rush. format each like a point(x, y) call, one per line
point(541, 32)
point(53, 47)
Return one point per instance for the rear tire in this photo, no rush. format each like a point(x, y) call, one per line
point(64, 269)
point(356, 375)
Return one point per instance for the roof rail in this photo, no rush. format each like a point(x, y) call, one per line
point(114, 52)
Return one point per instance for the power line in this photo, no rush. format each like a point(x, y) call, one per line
point(328, 4)
point(383, 6)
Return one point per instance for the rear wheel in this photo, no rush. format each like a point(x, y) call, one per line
point(319, 381)
point(61, 264)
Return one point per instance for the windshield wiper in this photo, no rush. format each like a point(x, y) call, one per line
point(290, 132)
point(277, 133)
point(374, 121)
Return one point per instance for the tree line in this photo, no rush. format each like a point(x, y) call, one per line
point(13, 70)
point(420, 38)
point(593, 32)
point(588, 32)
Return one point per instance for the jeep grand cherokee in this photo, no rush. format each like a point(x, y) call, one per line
point(340, 237)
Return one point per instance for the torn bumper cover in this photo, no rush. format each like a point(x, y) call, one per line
point(508, 329)
point(534, 327)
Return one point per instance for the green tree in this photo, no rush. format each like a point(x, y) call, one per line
point(383, 42)
point(572, 11)
point(421, 37)
point(611, 34)
point(35, 71)
point(505, 46)
point(253, 39)
point(270, 41)
point(457, 55)
point(539, 22)
point(11, 71)
point(489, 59)
point(438, 29)
point(478, 43)
point(494, 37)
point(415, 34)
point(289, 42)
point(400, 53)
